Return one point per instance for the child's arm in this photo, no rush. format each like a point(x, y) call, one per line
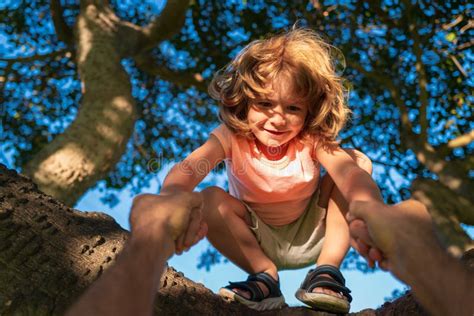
point(354, 183)
point(187, 174)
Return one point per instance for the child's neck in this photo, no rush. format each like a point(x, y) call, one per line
point(272, 153)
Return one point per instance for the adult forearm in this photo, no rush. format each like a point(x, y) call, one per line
point(128, 287)
point(441, 283)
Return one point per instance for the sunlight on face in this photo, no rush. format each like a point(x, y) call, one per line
point(279, 116)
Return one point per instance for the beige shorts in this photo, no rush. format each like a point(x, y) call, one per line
point(297, 244)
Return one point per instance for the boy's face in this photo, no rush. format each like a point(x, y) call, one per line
point(279, 116)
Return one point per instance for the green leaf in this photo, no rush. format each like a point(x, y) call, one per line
point(451, 37)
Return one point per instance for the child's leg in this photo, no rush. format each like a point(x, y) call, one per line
point(336, 240)
point(228, 231)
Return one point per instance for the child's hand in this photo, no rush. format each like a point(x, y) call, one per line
point(189, 238)
point(362, 243)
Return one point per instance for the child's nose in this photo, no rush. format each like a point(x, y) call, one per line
point(278, 116)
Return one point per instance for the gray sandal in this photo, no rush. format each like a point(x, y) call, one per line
point(258, 301)
point(324, 301)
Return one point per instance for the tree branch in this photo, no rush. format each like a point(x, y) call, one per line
point(462, 140)
point(465, 45)
point(452, 174)
point(458, 65)
point(63, 31)
point(147, 64)
point(61, 52)
point(455, 22)
point(423, 93)
point(165, 26)
point(376, 161)
point(384, 16)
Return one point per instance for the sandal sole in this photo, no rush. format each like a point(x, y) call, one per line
point(265, 304)
point(323, 301)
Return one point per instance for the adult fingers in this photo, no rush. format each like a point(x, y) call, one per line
point(350, 217)
point(364, 250)
point(361, 248)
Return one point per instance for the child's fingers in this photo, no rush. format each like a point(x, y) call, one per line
point(384, 265)
point(375, 254)
point(358, 230)
point(195, 200)
point(179, 244)
point(178, 251)
point(193, 228)
point(370, 262)
point(201, 233)
point(363, 249)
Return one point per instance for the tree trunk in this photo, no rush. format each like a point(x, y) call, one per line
point(96, 140)
point(49, 253)
point(447, 210)
point(92, 145)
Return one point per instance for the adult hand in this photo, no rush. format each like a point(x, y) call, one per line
point(178, 216)
point(129, 286)
point(386, 233)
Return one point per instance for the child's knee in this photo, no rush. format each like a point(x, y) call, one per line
point(212, 193)
point(212, 197)
point(361, 159)
point(215, 200)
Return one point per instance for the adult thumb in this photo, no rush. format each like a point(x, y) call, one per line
point(356, 211)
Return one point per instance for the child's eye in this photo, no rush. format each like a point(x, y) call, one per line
point(265, 104)
point(294, 108)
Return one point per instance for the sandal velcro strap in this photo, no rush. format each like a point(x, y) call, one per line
point(272, 285)
point(336, 283)
point(256, 292)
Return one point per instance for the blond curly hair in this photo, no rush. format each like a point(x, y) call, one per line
point(299, 53)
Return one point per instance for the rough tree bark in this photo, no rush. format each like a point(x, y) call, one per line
point(49, 253)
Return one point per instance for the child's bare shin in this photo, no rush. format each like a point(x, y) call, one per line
point(336, 239)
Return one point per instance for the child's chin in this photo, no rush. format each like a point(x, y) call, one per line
point(275, 143)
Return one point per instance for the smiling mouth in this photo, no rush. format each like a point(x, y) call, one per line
point(275, 132)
